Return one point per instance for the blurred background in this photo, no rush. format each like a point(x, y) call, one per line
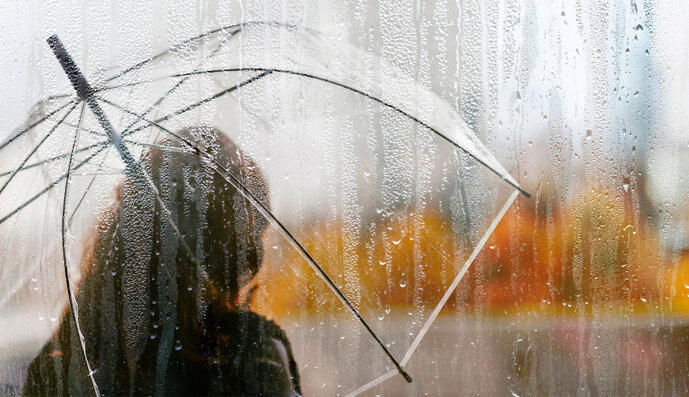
point(582, 289)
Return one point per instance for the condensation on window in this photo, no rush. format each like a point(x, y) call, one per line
point(344, 198)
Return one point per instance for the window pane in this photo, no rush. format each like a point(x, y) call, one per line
point(321, 198)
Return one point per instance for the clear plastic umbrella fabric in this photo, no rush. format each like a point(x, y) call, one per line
point(173, 272)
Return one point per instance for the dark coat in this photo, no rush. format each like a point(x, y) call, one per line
point(245, 355)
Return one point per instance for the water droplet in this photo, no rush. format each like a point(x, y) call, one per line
point(625, 184)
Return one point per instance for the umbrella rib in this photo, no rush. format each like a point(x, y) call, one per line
point(446, 296)
point(213, 97)
point(162, 147)
point(59, 96)
point(35, 149)
point(132, 84)
point(135, 83)
point(50, 186)
point(156, 103)
point(90, 174)
point(37, 122)
point(413, 118)
point(192, 106)
point(282, 229)
point(369, 96)
point(55, 158)
point(151, 59)
point(83, 196)
point(467, 263)
point(201, 36)
point(90, 131)
point(164, 96)
point(74, 308)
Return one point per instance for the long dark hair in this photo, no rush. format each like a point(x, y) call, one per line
point(158, 304)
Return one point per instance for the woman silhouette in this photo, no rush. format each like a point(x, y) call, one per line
point(158, 304)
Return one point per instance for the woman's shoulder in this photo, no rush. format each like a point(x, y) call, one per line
point(257, 349)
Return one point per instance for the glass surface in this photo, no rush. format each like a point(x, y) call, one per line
point(498, 191)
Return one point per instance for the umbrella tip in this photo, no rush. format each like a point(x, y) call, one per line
point(515, 185)
point(52, 40)
point(405, 375)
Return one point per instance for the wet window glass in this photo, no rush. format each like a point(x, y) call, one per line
point(344, 198)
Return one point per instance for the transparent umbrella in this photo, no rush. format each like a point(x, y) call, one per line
point(63, 173)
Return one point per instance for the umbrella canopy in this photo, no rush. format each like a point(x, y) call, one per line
point(60, 174)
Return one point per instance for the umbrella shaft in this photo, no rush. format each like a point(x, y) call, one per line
point(115, 137)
